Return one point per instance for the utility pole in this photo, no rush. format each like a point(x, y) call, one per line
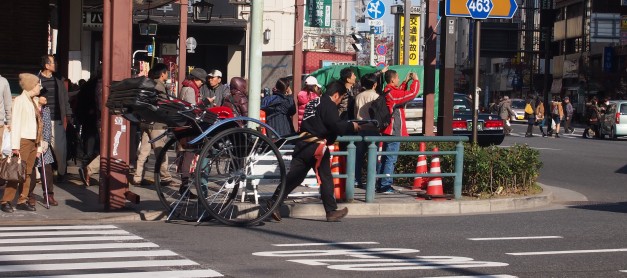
point(429, 66)
point(475, 97)
point(254, 72)
point(297, 55)
point(407, 11)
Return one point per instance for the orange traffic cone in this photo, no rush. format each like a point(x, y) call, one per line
point(434, 188)
point(421, 168)
point(335, 170)
point(262, 117)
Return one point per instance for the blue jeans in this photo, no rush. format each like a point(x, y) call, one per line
point(387, 164)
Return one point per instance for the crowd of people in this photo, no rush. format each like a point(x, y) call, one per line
point(39, 119)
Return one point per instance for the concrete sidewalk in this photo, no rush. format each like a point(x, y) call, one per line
point(78, 204)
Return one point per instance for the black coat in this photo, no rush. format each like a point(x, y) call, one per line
point(279, 114)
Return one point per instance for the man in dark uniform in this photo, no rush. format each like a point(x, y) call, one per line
point(320, 127)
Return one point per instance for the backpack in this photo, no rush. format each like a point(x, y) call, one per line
point(380, 112)
point(268, 100)
point(528, 108)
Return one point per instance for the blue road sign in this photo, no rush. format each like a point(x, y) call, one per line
point(375, 9)
point(376, 30)
point(479, 9)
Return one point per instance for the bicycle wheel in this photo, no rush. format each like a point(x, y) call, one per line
point(251, 170)
point(179, 200)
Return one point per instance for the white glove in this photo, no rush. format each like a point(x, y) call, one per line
point(44, 146)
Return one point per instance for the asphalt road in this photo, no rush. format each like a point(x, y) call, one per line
point(593, 167)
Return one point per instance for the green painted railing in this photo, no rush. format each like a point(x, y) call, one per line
point(351, 153)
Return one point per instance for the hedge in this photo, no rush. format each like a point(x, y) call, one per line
point(488, 171)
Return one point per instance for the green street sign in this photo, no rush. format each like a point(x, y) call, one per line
point(318, 13)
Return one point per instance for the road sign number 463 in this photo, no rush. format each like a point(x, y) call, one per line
point(479, 9)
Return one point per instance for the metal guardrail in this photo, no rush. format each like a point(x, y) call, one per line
point(351, 153)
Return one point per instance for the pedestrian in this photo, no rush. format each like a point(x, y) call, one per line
point(6, 103)
point(213, 90)
point(280, 108)
point(506, 113)
point(89, 118)
point(592, 116)
point(61, 112)
point(44, 156)
point(237, 99)
point(530, 113)
point(569, 116)
point(159, 73)
point(363, 102)
point(310, 91)
point(557, 114)
point(190, 92)
point(540, 119)
point(347, 106)
point(397, 95)
point(26, 132)
point(321, 126)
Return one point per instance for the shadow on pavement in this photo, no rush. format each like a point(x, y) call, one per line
point(609, 207)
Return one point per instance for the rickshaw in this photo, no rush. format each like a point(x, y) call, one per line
point(233, 169)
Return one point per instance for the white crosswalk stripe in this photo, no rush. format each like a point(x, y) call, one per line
point(39, 251)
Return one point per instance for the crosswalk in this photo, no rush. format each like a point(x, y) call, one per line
point(88, 251)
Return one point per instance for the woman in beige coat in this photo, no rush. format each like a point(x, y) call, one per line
point(26, 131)
point(557, 113)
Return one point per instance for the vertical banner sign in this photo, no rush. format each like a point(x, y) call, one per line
point(318, 13)
point(414, 39)
point(608, 56)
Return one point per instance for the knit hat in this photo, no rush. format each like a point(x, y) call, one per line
point(28, 81)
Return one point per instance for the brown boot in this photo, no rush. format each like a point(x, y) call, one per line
point(51, 200)
point(31, 200)
point(336, 215)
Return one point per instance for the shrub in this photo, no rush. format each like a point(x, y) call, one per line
point(487, 171)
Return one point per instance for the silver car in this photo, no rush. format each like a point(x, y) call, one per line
point(614, 122)
point(518, 105)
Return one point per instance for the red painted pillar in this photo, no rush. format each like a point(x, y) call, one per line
point(114, 149)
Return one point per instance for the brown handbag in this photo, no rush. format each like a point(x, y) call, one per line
point(12, 168)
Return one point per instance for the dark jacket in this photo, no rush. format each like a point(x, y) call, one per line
point(237, 100)
point(279, 113)
point(322, 120)
point(63, 101)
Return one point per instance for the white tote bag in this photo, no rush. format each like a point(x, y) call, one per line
point(6, 143)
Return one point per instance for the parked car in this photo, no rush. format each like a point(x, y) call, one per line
point(490, 126)
point(614, 122)
point(518, 105)
point(413, 116)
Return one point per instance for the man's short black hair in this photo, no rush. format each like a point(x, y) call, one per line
point(368, 80)
point(46, 60)
point(389, 75)
point(345, 74)
point(157, 70)
point(336, 87)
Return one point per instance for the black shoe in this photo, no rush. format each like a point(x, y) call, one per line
point(336, 215)
point(6, 207)
point(60, 178)
point(25, 206)
point(557, 135)
point(276, 215)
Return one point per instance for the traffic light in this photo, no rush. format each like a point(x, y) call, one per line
point(357, 40)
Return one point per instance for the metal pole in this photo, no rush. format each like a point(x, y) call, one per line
point(475, 98)
point(407, 11)
point(372, 60)
point(254, 72)
point(297, 55)
point(371, 177)
point(459, 169)
point(350, 171)
point(182, 44)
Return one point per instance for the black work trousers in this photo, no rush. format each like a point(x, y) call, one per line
point(305, 158)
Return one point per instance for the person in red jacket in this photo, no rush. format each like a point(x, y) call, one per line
point(396, 98)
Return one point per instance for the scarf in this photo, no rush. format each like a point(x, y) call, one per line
point(192, 84)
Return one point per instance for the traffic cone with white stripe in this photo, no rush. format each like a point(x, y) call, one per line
point(421, 168)
point(435, 188)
